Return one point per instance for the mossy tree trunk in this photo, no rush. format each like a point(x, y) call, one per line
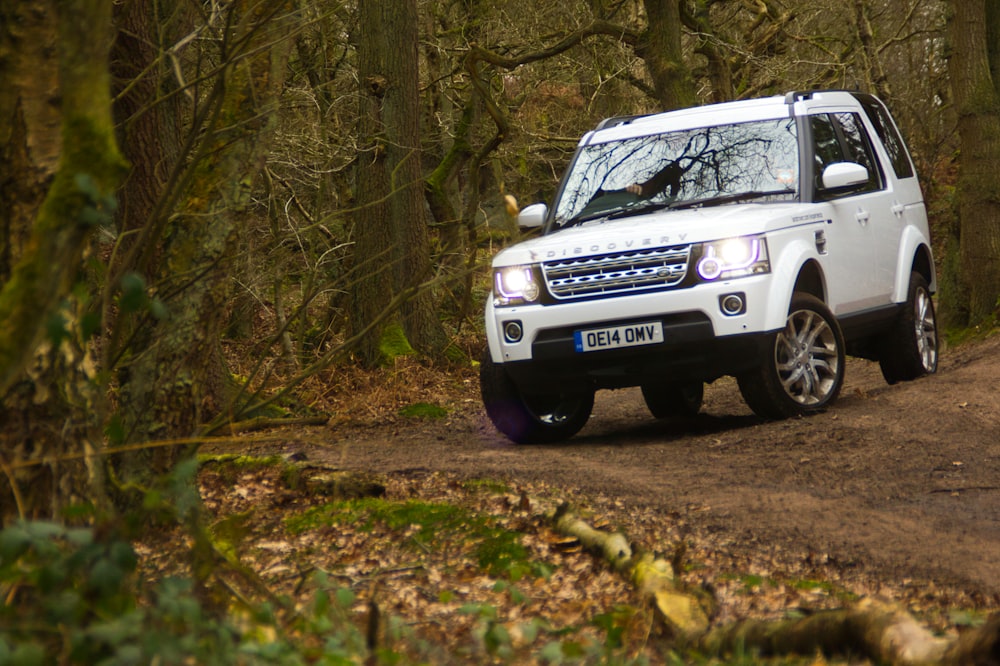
point(176, 380)
point(47, 379)
point(30, 139)
point(975, 78)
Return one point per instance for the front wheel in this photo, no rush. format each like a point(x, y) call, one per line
point(531, 418)
point(910, 348)
point(803, 365)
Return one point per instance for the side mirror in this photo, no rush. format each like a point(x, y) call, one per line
point(533, 216)
point(843, 175)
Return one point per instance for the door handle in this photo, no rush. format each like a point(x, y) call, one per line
point(898, 209)
point(862, 216)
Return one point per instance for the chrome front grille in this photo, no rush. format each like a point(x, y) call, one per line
point(628, 271)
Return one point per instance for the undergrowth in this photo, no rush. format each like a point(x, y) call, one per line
point(74, 596)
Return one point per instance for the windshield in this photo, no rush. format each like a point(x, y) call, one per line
point(709, 165)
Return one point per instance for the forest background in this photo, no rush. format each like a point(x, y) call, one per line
point(209, 208)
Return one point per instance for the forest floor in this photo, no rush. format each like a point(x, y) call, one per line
point(894, 492)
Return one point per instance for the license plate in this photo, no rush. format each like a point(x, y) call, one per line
point(616, 337)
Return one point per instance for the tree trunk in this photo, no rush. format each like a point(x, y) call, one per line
point(49, 414)
point(30, 141)
point(391, 225)
point(148, 113)
point(978, 105)
point(660, 49)
point(177, 381)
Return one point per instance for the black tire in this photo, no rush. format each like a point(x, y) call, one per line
point(802, 370)
point(910, 348)
point(674, 401)
point(531, 419)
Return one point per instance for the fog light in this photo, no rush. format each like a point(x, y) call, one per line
point(513, 331)
point(733, 304)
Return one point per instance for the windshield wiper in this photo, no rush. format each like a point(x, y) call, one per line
point(587, 217)
point(723, 199)
point(639, 209)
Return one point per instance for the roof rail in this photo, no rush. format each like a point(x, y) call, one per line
point(797, 95)
point(616, 121)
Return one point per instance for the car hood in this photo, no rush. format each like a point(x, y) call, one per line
point(662, 228)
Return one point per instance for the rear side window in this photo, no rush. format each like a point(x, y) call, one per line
point(889, 136)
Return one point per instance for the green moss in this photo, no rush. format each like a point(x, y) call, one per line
point(423, 410)
point(807, 584)
point(497, 551)
point(394, 343)
point(488, 485)
point(242, 461)
point(455, 354)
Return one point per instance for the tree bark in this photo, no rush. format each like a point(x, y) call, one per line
point(30, 141)
point(42, 351)
point(660, 48)
point(683, 611)
point(177, 381)
point(978, 104)
point(391, 224)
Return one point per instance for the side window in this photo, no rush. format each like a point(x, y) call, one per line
point(890, 138)
point(858, 148)
point(840, 137)
point(826, 145)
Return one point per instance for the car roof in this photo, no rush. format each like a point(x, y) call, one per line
point(724, 113)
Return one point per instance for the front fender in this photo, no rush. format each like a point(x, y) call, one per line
point(783, 280)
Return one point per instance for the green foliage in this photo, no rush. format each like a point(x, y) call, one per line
point(99, 208)
point(75, 600)
point(134, 297)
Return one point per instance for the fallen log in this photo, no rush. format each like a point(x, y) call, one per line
point(880, 631)
point(683, 611)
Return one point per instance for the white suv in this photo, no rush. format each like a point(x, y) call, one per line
point(762, 239)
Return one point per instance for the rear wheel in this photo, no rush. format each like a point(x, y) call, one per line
point(803, 366)
point(673, 401)
point(910, 348)
point(531, 418)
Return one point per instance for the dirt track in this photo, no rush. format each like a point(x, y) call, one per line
point(899, 482)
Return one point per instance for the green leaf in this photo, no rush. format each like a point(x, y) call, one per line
point(345, 597)
point(122, 554)
point(106, 576)
point(158, 309)
point(115, 431)
point(80, 536)
point(133, 297)
point(90, 325)
point(45, 529)
point(552, 653)
point(87, 186)
point(14, 541)
point(28, 655)
point(55, 328)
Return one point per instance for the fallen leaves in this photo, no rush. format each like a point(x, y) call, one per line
point(436, 585)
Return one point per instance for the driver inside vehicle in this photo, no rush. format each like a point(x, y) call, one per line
point(669, 176)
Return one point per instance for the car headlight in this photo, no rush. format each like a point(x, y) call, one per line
point(733, 257)
point(515, 285)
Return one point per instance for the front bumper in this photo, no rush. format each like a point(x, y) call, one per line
point(700, 341)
